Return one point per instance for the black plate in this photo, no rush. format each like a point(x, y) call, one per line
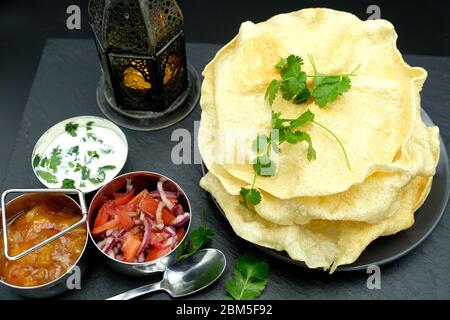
point(387, 249)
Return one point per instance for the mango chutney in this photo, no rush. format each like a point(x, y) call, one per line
point(49, 262)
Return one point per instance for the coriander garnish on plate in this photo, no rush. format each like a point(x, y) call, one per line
point(293, 87)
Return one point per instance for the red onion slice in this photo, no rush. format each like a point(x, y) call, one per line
point(122, 233)
point(169, 194)
point(170, 231)
point(159, 220)
point(141, 258)
point(163, 194)
point(158, 227)
point(146, 238)
point(129, 186)
point(101, 244)
point(109, 244)
point(181, 219)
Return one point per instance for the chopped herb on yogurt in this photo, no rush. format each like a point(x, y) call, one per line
point(68, 184)
point(71, 128)
point(99, 177)
point(106, 150)
point(55, 159)
point(47, 176)
point(93, 137)
point(44, 162)
point(110, 167)
point(73, 151)
point(36, 161)
point(89, 125)
point(85, 173)
point(93, 154)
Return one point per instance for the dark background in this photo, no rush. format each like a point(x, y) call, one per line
point(423, 28)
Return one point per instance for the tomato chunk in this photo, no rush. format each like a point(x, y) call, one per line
point(130, 247)
point(158, 237)
point(104, 213)
point(156, 253)
point(149, 205)
point(167, 216)
point(123, 198)
point(125, 220)
point(137, 199)
point(106, 226)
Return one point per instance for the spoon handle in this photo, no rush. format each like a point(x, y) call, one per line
point(137, 292)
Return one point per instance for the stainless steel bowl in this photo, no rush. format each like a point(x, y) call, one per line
point(140, 180)
point(16, 207)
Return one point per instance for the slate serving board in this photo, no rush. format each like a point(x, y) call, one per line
point(64, 87)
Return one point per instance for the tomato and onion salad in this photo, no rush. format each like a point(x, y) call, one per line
point(137, 227)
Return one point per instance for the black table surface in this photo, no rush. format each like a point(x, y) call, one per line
point(64, 86)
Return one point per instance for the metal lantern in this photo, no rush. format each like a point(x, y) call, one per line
point(142, 54)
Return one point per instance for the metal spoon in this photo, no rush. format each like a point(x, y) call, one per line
point(186, 276)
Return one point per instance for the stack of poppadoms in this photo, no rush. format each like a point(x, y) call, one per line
point(319, 212)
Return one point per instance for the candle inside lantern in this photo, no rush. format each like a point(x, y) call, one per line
point(135, 84)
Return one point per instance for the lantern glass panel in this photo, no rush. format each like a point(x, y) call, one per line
point(125, 28)
point(173, 67)
point(135, 83)
point(166, 21)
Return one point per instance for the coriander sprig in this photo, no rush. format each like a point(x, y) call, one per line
point(306, 117)
point(294, 87)
point(198, 239)
point(251, 196)
point(249, 278)
point(338, 141)
point(71, 128)
point(327, 88)
point(293, 83)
